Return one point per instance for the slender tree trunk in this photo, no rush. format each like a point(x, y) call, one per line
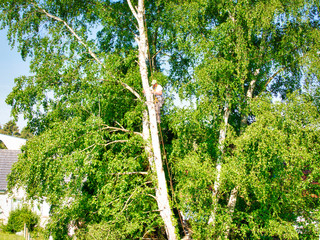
point(222, 137)
point(231, 206)
point(161, 188)
point(234, 192)
point(146, 138)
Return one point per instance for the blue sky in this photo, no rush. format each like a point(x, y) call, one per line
point(11, 66)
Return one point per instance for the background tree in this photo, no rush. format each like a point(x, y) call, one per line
point(26, 133)
point(11, 129)
point(274, 163)
point(241, 50)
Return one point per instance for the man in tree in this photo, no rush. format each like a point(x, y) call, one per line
point(104, 106)
point(157, 91)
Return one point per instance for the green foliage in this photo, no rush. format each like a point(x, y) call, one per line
point(11, 129)
point(26, 133)
point(82, 179)
point(2, 146)
point(275, 166)
point(213, 51)
point(19, 217)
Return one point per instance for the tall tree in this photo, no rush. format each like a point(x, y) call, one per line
point(275, 168)
point(241, 50)
point(79, 85)
point(85, 102)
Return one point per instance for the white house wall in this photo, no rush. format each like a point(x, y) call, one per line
point(16, 200)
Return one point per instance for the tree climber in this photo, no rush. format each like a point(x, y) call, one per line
point(158, 98)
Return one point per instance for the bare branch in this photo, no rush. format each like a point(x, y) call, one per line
point(130, 89)
point(73, 33)
point(162, 49)
point(126, 204)
point(116, 141)
point(251, 88)
point(152, 211)
point(129, 173)
point(134, 12)
point(121, 129)
point(88, 148)
point(153, 197)
point(273, 76)
point(137, 39)
point(119, 125)
point(86, 46)
point(127, 87)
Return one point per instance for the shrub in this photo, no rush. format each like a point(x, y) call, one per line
point(18, 217)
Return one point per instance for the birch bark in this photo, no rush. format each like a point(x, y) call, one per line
point(234, 192)
point(222, 137)
point(161, 188)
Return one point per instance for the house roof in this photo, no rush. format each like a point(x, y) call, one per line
point(12, 143)
point(7, 158)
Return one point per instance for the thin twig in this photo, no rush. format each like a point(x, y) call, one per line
point(152, 196)
point(158, 210)
point(129, 173)
point(125, 205)
point(88, 148)
point(121, 129)
point(119, 125)
point(272, 77)
point(116, 141)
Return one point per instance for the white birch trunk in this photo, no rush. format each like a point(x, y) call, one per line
point(231, 206)
point(161, 188)
point(222, 137)
point(234, 193)
point(146, 138)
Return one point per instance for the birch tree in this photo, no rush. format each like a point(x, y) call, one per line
point(243, 50)
point(161, 190)
point(76, 85)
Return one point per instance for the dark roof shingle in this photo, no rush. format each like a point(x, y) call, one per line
point(7, 158)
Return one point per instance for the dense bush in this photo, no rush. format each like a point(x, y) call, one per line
point(18, 217)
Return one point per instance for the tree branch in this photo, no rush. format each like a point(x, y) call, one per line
point(129, 173)
point(116, 141)
point(121, 129)
point(126, 203)
point(127, 87)
point(162, 48)
point(251, 88)
point(88, 147)
point(73, 33)
point(150, 195)
point(88, 49)
point(272, 77)
point(132, 9)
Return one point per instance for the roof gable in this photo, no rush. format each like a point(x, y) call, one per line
point(12, 143)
